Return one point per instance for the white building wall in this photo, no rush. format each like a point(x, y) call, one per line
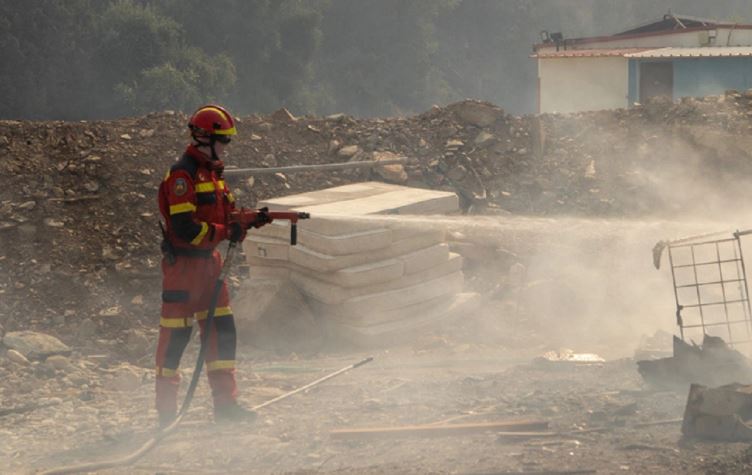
point(580, 84)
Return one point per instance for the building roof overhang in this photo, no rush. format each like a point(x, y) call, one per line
point(700, 52)
point(588, 53)
point(604, 39)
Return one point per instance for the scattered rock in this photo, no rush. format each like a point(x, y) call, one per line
point(35, 345)
point(17, 357)
point(483, 138)
point(481, 114)
point(348, 151)
point(53, 223)
point(395, 172)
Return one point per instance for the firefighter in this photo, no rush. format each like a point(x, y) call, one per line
point(196, 206)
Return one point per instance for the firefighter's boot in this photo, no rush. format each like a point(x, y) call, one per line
point(230, 413)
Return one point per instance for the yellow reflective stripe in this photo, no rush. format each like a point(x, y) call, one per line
point(200, 236)
point(166, 372)
point(220, 364)
point(231, 131)
point(218, 312)
point(182, 322)
point(182, 208)
point(204, 187)
point(221, 184)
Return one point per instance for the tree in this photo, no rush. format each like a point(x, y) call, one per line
point(144, 60)
point(379, 58)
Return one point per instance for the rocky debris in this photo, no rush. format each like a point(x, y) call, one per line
point(35, 345)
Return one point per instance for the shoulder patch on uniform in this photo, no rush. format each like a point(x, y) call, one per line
point(180, 187)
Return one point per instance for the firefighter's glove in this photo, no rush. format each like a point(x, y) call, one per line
point(262, 217)
point(237, 232)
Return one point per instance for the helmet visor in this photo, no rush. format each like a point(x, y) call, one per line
point(223, 139)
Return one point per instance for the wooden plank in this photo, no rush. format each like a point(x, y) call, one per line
point(429, 430)
point(583, 471)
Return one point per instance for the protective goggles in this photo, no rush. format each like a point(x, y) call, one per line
point(223, 139)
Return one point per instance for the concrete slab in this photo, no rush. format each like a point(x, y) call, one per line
point(404, 328)
point(329, 195)
point(344, 243)
point(332, 294)
point(321, 262)
point(425, 258)
point(266, 248)
point(357, 276)
point(351, 243)
point(327, 226)
point(362, 199)
point(404, 201)
point(269, 272)
point(392, 299)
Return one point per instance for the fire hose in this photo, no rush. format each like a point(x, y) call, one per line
point(164, 432)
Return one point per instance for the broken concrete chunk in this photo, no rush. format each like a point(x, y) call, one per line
point(35, 345)
point(712, 364)
point(718, 413)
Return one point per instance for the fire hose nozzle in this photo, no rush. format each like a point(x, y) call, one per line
point(293, 217)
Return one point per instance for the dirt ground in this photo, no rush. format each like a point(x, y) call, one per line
point(601, 417)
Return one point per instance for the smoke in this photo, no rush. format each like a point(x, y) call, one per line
point(586, 284)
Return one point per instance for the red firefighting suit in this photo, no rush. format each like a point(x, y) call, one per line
point(195, 204)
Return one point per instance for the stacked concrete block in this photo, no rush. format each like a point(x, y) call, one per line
point(367, 279)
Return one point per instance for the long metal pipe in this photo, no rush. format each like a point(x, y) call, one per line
point(307, 168)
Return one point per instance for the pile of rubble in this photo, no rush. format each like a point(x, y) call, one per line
point(78, 215)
